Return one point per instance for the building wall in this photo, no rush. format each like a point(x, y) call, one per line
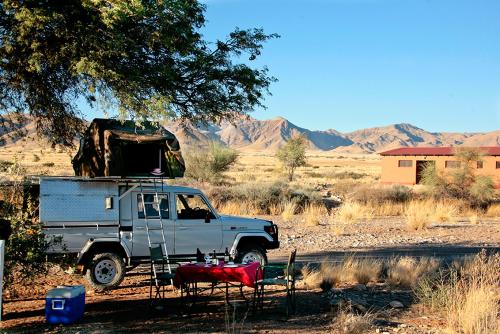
point(392, 173)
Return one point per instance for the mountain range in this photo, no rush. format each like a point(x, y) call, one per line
point(268, 135)
point(250, 134)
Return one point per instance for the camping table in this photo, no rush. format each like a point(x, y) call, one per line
point(188, 276)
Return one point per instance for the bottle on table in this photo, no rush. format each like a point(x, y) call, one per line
point(214, 258)
point(226, 256)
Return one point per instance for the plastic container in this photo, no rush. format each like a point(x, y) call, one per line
point(65, 304)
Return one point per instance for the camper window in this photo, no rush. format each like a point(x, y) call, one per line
point(151, 206)
point(192, 207)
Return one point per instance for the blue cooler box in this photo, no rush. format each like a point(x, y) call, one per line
point(65, 304)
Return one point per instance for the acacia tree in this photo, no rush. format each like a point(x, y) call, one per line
point(293, 155)
point(145, 59)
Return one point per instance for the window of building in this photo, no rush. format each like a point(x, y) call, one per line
point(405, 163)
point(451, 164)
point(479, 164)
point(498, 164)
point(153, 207)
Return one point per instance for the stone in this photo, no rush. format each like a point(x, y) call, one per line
point(396, 304)
point(360, 287)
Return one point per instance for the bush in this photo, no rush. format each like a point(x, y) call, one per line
point(462, 183)
point(371, 195)
point(209, 164)
point(5, 166)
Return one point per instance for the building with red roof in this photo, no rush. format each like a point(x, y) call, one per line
point(404, 165)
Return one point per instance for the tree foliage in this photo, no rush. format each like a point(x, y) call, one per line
point(145, 59)
point(293, 155)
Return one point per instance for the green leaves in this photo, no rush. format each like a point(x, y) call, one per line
point(143, 59)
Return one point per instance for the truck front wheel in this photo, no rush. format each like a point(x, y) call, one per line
point(105, 271)
point(252, 253)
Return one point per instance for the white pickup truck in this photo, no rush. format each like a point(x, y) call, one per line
point(103, 221)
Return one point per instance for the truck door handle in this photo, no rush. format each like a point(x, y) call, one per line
point(140, 227)
point(183, 228)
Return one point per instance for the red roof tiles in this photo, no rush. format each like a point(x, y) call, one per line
point(491, 150)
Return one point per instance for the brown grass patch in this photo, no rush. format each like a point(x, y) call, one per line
point(406, 271)
point(493, 211)
point(418, 215)
point(351, 212)
point(314, 214)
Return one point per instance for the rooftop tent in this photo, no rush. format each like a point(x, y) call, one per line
point(121, 148)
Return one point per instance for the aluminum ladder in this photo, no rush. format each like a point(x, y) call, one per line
point(153, 227)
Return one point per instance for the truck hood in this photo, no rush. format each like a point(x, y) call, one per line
point(235, 220)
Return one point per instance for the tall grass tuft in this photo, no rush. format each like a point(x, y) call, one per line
point(444, 212)
point(406, 272)
point(289, 210)
point(351, 212)
point(467, 295)
point(417, 215)
point(314, 214)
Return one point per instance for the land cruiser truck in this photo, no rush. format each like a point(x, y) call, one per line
point(103, 222)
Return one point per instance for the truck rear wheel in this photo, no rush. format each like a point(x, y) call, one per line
point(252, 253)
point(105, 271)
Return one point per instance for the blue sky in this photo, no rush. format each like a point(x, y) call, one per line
point(351, 64)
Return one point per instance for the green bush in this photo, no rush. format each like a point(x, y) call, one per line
point(207, 165)
point(462, 183)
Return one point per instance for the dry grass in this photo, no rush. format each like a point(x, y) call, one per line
point(406, 272)
point(351, 212)
point(444, 212)
point(493, 211)
point(360, 270)
point(468, 295)
point(417, 215)
point(474, 219)
point(325, 277)
point(289, 210)
point(314, 214)
point(351, 270)
point(353, 323)
point(388, 209)
point(244, 208)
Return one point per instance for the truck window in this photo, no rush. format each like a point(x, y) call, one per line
point(192, 207)
point(152, 210)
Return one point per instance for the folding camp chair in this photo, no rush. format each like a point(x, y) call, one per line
point(277, 274)
point(160, 277)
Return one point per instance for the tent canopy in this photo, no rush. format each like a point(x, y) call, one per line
point(121, 148)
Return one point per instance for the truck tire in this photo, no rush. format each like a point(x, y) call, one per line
point(252, 253)
point(105, 271)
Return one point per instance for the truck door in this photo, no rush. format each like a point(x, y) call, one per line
point(140, 246)
point(196, 225)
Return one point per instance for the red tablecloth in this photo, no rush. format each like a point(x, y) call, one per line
point(244, 274)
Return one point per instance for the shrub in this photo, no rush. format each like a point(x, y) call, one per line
point(209, 164)
point(48, 164)
point(462, 183)
point(378, 195)
point(5, 165)
point(493, 210)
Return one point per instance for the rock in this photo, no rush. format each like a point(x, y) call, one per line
point(360, 287)
point(396, 304)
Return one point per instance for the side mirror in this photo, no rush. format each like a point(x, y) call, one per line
point(207, 218)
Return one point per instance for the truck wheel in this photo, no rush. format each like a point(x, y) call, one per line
point(252, 253)
point(105, 271)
